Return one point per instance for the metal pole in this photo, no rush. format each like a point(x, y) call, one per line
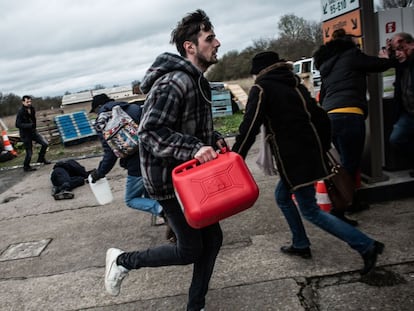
point(373, 154)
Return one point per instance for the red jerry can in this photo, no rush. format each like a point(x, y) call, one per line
point(214, 190)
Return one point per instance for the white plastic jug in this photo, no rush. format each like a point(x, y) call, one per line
point(101, 190)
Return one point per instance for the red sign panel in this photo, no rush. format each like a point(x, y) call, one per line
point(390, 27)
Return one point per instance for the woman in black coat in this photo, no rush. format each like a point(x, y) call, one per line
point(343, 68)
point(299, 135)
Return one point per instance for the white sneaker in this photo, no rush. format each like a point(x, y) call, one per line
point(114, 274)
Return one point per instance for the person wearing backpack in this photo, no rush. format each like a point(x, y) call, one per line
point(135, 193)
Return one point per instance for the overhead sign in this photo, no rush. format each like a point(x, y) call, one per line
point(334, 8)
point(350, 22)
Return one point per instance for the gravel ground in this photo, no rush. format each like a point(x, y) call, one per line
point(9, 178)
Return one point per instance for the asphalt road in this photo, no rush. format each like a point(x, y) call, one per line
point(52, 255)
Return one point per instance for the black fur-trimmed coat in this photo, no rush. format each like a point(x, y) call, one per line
point(299, 129)
point(344, 68)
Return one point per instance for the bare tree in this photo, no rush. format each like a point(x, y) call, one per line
point(316, 32)
point(297, 38)
point(293, 27)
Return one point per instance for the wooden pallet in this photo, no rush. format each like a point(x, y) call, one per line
point(47, 127)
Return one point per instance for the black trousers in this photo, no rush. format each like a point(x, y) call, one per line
point(199, 247)
point(28, 145)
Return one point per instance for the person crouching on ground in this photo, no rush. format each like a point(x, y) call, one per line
point(66, 176)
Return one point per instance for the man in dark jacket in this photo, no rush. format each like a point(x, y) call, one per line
point(176, 126)
point(402, 136)
point(344, 67)
point(290, 116)
point(26, 123)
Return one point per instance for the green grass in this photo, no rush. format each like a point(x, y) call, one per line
point(389, 72)
point(54, 153)
point(228, 125)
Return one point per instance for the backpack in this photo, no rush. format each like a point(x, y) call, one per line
point(121, 133)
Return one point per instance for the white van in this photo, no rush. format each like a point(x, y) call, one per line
point(306, 65)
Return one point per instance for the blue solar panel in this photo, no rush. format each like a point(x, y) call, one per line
point(74, 127)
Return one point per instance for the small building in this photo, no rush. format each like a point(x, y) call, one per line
point(118, 93)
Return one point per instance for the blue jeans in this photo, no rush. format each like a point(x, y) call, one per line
point(194, 246)
point(402, 135)
point(310, 210)
point(136, 197)
point(348, 137)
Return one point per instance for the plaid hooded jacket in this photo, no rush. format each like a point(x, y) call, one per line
point(176, 121)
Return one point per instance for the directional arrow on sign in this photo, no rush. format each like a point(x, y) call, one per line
point(354, 22)
point(327, 32)
point(350, 22)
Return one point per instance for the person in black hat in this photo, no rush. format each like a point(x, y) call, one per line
point(264, 60)
point(298, 132)
point(136, 196)
point(343, 95)
point(98, 101)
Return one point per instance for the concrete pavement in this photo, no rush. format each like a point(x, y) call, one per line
point(52, 255)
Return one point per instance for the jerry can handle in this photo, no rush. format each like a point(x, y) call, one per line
point(194, 162)
point(224, 149)
point(186, 166)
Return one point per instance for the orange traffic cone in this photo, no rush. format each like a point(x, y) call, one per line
point(322, 197)
point(7, 145)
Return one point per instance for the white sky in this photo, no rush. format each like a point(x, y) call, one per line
point(49, 47)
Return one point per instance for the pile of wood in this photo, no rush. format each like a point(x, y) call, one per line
point(239, 95)
point(46, 125)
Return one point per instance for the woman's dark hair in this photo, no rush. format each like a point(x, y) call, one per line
point(340, 34)
point(188, 29)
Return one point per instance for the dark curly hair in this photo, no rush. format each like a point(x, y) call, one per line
point(188, 29)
